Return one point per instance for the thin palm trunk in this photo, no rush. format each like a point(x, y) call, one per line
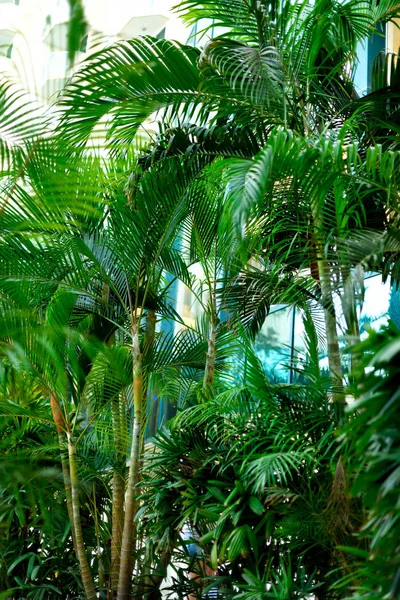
point(209, 370)
point(152, 582)
point(118, 491)
point(67, 485)
point(151, 321)
point(87, 579)
point(332, 339)
point(210, 359)
point(118, 485)
point(131, 503)
point(353, 338)
point(60, 426)
point(349, 307)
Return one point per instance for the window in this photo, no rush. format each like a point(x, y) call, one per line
point(192, 41)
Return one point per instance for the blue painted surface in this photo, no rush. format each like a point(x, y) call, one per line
point(361, 72)
point(367, 51)
point(394, 306)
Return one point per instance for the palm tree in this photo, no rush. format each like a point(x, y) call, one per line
point(84, 277)
point(275, 65)
point(251, 470)
point(263, 120)
point(370, 442)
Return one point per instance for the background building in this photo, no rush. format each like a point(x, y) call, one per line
point(34, 35)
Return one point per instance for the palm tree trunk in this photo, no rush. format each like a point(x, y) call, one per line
point(353, 337)
point(87, 580)
point(332, 339)
point(118, 485)
point(131, 504)
point(67, 486)
point(210, 360)
point(118, 491)
point(349, 307)
point(60, 426)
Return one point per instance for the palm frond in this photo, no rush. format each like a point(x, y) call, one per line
point(128, 82)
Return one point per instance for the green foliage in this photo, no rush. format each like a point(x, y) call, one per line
point(271, 177)
point(253, 476)
point(36, 557)
point(372, 440)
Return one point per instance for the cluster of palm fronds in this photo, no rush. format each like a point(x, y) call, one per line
point(254, 164)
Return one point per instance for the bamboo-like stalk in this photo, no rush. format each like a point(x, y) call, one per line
point(332, 339)
point(209, 370)
point(60, 427)
point(118, 484)
point(353, 338)
point(210, 359)
point(118, 491)
point(86, 575)
point(129, 530)
point(349, 306)
point(67, 485)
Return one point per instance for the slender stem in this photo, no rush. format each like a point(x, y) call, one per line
point(100, 571)
point(67, 486)
point(335, 364)
point(209, 370)
point(349, 307)
point(118, 484)
point(210, 359)
point(332, 339)
point(131, 503)
point(87, 579)
point(118, 489)
point(60, 426)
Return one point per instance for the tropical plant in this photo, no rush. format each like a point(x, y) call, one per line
point(262, 135)
point(254, 473)
point(82, 283)
point(371, 443)
point(286, 67)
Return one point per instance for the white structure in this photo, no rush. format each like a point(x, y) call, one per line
point(34, 35)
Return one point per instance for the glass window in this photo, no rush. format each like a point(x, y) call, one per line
point(192, 39)
point(274, 341)
point(280, 343)
point(376, 304)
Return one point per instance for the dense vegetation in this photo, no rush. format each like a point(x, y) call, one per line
point(268, 181)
